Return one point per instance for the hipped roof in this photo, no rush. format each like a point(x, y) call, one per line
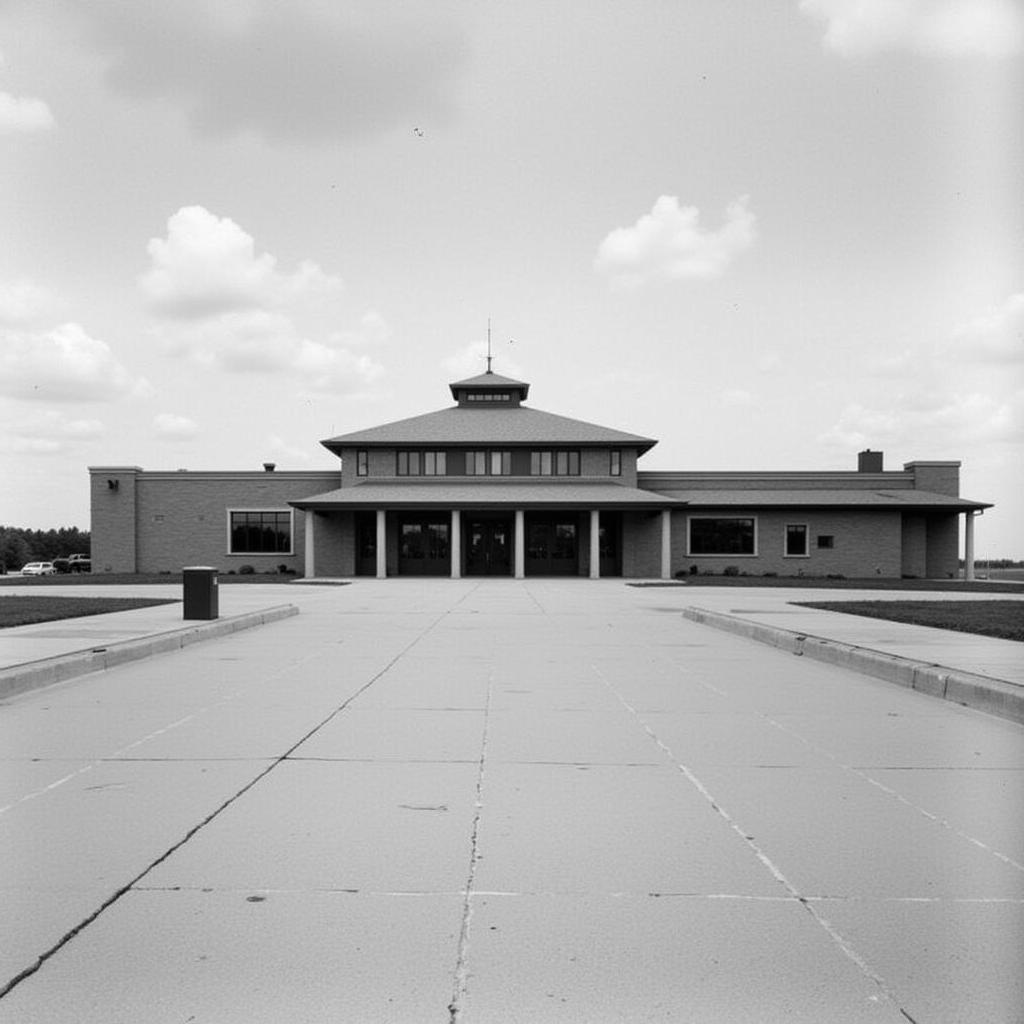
point(509, 428)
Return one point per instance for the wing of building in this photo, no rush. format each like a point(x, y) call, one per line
point(491, 486)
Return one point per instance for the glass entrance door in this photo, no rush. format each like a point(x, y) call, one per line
point(488, 547)
point(551, 545)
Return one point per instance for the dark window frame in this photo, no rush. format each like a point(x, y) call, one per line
point(705, 538)
point(555, 462)
point(480, 462)
point(615, 462)
point(787, 535)
point(260, 523)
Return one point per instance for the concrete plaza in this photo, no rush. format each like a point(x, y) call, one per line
point(507, 801)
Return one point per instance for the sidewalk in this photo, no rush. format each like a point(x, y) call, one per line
point(497, 801)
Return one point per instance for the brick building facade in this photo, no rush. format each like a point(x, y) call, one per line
point(491, 486)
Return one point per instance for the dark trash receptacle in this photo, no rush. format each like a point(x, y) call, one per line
point(199, 583)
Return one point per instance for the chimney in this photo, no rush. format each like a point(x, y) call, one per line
point(869, 461)
point(269, 467)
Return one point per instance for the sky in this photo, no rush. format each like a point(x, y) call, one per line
point(768, 234)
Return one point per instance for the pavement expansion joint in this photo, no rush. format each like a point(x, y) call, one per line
point(840, 941)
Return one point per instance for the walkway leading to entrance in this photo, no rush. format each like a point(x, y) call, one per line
point(497, 801)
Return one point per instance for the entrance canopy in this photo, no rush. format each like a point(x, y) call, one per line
point(484, 494)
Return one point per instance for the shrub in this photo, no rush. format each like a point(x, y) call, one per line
point(771, 574)
point(246, 570)
point(731, 570)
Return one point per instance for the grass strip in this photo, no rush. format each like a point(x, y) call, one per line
point(26, 609)
point(1002, 619)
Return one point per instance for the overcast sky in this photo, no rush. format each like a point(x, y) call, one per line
point(769, 234)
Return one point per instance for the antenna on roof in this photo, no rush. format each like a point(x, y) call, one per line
point(489, 356)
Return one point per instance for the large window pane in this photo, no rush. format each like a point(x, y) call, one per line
point(254, 533)
point(710, 536)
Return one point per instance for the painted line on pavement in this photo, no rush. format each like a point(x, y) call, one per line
point(983, 693)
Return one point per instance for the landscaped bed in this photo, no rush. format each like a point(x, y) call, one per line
point(25, 609)
point(110, 579)
point(1003, 619)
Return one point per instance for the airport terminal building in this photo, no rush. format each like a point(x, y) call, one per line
point(490, 486)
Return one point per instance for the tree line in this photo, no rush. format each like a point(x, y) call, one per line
point(18, 545)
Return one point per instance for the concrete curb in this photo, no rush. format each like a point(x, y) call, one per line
point(33, 675)
point(994, 696)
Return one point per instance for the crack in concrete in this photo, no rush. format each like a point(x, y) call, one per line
point(461, 975)
point(763, 857)
point(27, 972)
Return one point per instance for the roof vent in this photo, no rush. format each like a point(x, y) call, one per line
point(869, 461)
point(269, 467)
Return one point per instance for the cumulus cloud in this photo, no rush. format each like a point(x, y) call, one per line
point(23, 114)
point(232, 308)
point(170, 427)
point(306, 71)
point(943, 423)
point(997, 335)
point(23, 301)
point(208, 265)
point(950, 395)
point(64, 364)
point(257, 341)
point(992, 28)
point(669, 244)
point(47, 432)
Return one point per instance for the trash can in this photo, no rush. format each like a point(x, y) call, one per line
point(199, 583)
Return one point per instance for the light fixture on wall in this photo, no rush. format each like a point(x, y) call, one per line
point(113, 484)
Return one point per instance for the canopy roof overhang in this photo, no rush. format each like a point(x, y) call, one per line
point(439, 493)
point(811, 499)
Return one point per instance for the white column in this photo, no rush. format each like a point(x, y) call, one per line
point(382, 544)
point(969, 546)
point(595, 544)
point(519, 545)
point(456, 544)
point(666, 543)
point(310, 567)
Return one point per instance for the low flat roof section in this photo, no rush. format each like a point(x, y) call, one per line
point(905, 500)
point(439, 493)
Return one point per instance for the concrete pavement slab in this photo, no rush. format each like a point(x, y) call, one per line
point(977, 944)
point(985, 804)
point(337, 825)
point(442, 669)
point(831, 833)
point(591, 958)
point(905, 738)
point(371, 734)
point(221, 957)
point(73, 846)
point(568, 736)
point(607, 829)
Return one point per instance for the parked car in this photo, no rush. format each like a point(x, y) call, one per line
point(73, 563)
point(38, 569)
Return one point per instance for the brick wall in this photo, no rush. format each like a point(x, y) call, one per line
point(939, 477)
point(178, 519)
point(112, 526)
point(915, 546)
point(864, 544)
point(943, 532)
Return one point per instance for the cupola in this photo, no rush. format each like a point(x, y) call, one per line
point(489, 391)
